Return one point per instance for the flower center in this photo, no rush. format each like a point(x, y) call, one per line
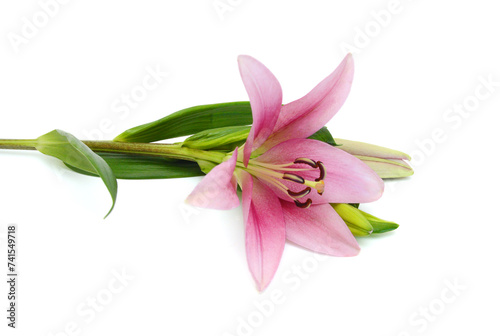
point(278, 174)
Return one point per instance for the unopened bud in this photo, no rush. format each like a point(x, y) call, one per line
point(354, 219)
point(387, 163)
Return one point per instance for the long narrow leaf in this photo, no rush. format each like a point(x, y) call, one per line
point(137, 167)
point(190, 121)
point(202, 120)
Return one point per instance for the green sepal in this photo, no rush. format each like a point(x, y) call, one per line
point(138, 167)
point(190, 121)
point(72, 151)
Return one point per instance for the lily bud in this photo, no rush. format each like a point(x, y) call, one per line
point(362, 223)
point(387, 163)
point(354, 219)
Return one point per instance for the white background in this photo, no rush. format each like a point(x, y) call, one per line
point(187, 267)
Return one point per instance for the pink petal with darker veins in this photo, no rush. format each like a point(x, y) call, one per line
point(217, 190)
point(264, 92)
point(264, 229)
point(348, 179)
point(320, 229)
point(305, 116)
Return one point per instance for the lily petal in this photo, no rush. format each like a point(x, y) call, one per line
point(264, 92)
point(303, 117)
point(264, 229)
point(320, 229)
point(217, 190)
point(348, 179)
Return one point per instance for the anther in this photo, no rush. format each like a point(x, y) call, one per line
point(304, 205)
point(306, 161)
point(294, 178)
point(322, 171)
point(300, 194)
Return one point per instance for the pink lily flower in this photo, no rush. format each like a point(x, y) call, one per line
point(288, 181)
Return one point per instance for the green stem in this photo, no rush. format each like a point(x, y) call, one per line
point(173, 151)
point(17, 144)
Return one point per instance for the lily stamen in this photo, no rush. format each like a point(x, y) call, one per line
point(293, 178)
point(304, 205)
point(274, 173)
point(306, 161)
point(322, 171)
point(301, 193)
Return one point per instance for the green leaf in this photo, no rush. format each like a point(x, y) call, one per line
point(324, 135)
point(225, 138)
point(137, 167)
point(190, 121)
point(208, 123)
point(72, 151)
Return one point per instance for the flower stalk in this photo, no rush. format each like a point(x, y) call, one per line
point(21, 144)
point(172, 151)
